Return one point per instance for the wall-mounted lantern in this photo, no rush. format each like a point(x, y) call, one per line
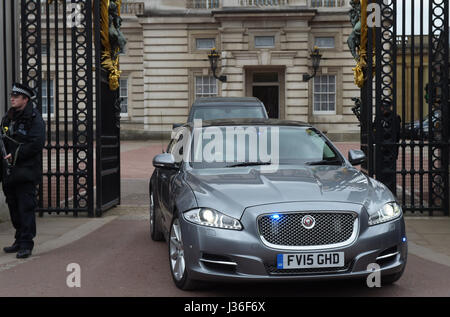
point(315, 57)
point(214, 60)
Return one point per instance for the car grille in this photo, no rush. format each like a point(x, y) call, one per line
point(273, 270)
point(330, 229)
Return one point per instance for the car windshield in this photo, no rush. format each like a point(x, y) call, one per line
point(234, 146)
point(227, 112)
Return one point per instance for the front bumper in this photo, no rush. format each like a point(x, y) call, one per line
point(226, 255)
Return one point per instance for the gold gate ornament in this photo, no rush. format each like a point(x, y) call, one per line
point(110, 25)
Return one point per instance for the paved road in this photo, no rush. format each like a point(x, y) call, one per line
point(119, 259)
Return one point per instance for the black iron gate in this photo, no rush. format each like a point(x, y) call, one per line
point(409, 58)
point(61, 62)
point(107, 107)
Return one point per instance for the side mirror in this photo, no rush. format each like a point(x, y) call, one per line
point(164, 160)
point(176, 125)
point(356, 157)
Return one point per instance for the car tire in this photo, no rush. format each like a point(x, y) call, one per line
point(155, 225)
point(392, 278)
point(177, 260)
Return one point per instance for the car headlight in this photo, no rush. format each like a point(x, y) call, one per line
point(388, 212)
point(212, 218)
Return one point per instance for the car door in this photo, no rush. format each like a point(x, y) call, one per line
point(157, 184)
point(166, 177)
point(160, 175)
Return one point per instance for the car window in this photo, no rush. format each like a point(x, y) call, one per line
point(228, 112)
point(217, 147)
point(175, 143)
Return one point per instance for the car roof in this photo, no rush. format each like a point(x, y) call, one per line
point(251, 122)
point(228, 101)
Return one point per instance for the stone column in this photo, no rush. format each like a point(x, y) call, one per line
point(9, 66)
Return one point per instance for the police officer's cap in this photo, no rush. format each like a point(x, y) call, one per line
point(20, 89)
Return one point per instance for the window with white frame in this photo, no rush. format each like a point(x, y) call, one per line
point(324, 94)
point(205, 86)
point(48, 97)
point(264, 41)
point(205, 43)
point(324, 42)
point(124, 95)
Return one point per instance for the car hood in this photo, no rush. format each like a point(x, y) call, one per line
point(232, 190)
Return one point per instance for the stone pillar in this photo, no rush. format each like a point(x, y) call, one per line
point(9, 66)
point(9, 52)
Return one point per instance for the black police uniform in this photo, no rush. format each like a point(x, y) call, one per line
point(24, 137)
point(390, 124)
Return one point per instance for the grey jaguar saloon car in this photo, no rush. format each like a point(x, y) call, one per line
point(215, 108)
point(262, 200)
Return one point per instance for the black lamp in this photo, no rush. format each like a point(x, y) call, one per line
point(213, 60)
point(315, 57)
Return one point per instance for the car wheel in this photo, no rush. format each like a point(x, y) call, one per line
point(155, 227)
point(392, 278)
point(177, 258)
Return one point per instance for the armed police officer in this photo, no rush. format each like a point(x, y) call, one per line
point(23, 134)
point(390, 135)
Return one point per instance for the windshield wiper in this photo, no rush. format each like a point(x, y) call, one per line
point(249, 164)
point(334, 161)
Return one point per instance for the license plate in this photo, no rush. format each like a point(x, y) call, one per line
point(310, 260)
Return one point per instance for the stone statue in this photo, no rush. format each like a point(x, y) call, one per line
point(116, 38)
point(113, 40)
point(357, 108)
point(354, 40)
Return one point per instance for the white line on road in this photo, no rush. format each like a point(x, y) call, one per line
point(428, 254)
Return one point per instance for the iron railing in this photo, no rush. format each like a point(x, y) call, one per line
point(127, 7)
point(203, 4)
point(214, 4)
point(262, 3)
point(411, 81)
point(326, 3)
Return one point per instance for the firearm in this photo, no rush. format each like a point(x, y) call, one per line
point(4, 153)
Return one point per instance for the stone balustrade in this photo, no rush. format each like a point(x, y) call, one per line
point(217, 4)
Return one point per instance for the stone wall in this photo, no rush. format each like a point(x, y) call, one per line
point(171, 62)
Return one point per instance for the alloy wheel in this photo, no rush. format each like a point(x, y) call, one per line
point(177, 260)
point(152, 214)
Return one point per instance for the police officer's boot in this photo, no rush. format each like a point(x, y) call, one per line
point(23, 254)
point(12, 249)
